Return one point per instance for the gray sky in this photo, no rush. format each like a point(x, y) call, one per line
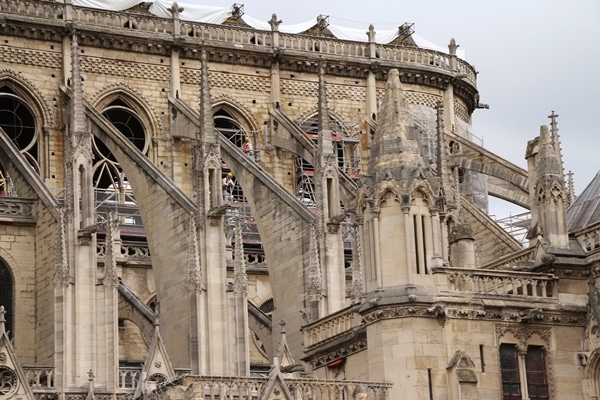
point(533, 56)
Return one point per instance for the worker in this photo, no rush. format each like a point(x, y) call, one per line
point(247, 147)
point(227, 186)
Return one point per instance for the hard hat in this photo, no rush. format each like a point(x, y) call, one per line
point(246, 139)
point(230, 174)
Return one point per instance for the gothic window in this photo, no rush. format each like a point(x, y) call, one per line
point(18, 122)
point(6, 296)
point(509, 370)
point(107, 171)
point(537, 385)
point(533, 362)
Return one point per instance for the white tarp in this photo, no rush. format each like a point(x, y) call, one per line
point(112, 5)
point(192, 12)
point(218, 15)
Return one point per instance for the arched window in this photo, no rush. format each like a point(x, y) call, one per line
point(107, 171)
point(18, 122)
point(6, 296)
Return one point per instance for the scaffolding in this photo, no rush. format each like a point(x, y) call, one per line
point(516, 225)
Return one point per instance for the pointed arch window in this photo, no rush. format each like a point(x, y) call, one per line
point(532, 363)
point(6, 296)
point(18, 122)
point(107, 171)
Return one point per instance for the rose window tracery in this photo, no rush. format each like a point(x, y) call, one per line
point(8, 382)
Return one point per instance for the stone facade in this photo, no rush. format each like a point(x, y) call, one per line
point(135, 274)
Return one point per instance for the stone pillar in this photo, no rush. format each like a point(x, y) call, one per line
point(376, 249)
point(462, 247)
point(407, 243)
point(175, 74)
point(436, 259)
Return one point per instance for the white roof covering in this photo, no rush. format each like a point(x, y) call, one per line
point(218, 15)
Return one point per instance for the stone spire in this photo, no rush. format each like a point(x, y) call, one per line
point(77, 109)
point(395, 145)
point(570, 188)
point(548, 192)
point(207, 129)
point(556, 137)
point(442, 166)
point(324, 140)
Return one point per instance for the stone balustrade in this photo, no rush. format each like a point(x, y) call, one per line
point(220, 33)
point(16, 209)
point(324, 45)
point(589, 240)
point(301, 388)
point(509, 283)
point(326, 328)
point(129, 378)
point(130, 251)
point(39, 377)
point(139, 24)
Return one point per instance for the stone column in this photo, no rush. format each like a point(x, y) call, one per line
point(407, 243)
point(376, 249)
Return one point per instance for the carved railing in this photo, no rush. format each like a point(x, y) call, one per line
point(44, 9)
point(331, 326)
point(130, 251)
point(39, 377)
point(15, 208)
point(495, 283)
point(139, 24)
point(243, 36)
point(323, 45)
point(589, 240)
point(135, 22)
point(204, 388)
point(129, 377)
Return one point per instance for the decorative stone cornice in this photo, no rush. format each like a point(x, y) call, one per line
point(444, 314)
point(339, 352)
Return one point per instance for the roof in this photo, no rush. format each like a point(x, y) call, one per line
point(585, 211)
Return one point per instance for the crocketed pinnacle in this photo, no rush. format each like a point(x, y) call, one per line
point(395, 144)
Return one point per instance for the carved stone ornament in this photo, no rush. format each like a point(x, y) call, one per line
point(8, 382)
point(522, 334)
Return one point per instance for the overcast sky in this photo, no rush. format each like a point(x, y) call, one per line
point(533, 56)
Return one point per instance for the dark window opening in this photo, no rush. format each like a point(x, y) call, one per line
point(509, 370)
point(537, 385)
point(6, 297)
point(18, 122)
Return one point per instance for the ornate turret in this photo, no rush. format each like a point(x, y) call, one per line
point(547, 191)
point(401, 222)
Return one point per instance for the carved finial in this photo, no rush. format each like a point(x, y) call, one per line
point(452, 46)
point(176, 10)
point(371, 33)
point(570, 188)
point(555, 137)
point(274, 22)
point(90, 394)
